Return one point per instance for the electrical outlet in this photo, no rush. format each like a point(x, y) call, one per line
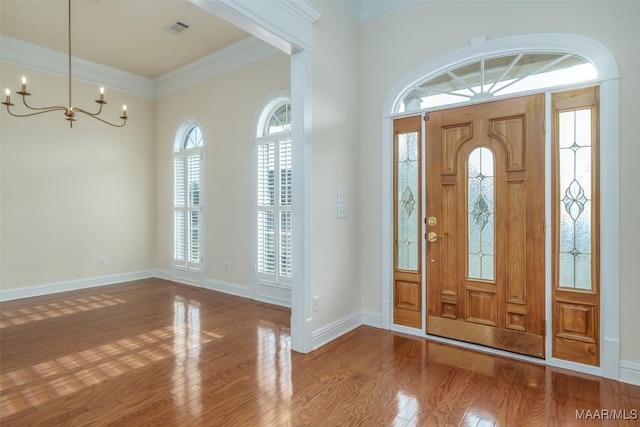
point(102, 261)
point(342, 195)
point(316, 303)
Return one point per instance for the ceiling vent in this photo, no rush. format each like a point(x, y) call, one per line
point(177, 28)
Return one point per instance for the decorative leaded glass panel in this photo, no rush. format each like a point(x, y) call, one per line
point(407, 247)
point(575, 199)
point(480, 226)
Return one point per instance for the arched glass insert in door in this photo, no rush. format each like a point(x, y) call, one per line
point(480, 208)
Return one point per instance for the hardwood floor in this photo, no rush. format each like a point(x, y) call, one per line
point(155, 353)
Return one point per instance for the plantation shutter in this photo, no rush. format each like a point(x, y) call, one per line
point(179, 211)
point(187, 178)
point(266, 209)
point(285, 236)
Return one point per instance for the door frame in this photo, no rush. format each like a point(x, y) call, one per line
point(608, 81)
point(288, 27)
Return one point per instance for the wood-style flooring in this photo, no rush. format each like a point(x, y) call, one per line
point(155, 353)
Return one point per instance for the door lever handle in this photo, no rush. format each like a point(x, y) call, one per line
point(432, 236)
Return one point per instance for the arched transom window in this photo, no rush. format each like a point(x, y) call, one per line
point(496, 76)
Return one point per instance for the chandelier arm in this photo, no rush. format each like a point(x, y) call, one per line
point(41, 111)
point(101, 103)
point(68, 111)
point(80, 110)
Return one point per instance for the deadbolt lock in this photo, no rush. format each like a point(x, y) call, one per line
point(432, 221)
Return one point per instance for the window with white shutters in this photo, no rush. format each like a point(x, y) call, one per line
point(273, 199)
point(186, 200)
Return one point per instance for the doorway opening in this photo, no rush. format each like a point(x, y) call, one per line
point(478, 77)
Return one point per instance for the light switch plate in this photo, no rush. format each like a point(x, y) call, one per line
point(343, 211)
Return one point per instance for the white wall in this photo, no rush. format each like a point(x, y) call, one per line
point(335, 164)
point(70, 196)
point(226, 108)
point(395, 45)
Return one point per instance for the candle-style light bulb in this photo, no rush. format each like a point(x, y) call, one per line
point(7, 92)
point(124, 111)
point(24, 84)
point(101, 94)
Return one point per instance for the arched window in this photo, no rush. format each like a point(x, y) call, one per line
point(187, 183)
point(273, 239)
point(497, 76)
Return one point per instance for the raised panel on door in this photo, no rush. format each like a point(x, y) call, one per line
point(485, 186)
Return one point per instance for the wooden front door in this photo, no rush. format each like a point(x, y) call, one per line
point(485, 224)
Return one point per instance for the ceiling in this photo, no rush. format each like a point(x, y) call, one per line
point(130, 35)
point(126, 35)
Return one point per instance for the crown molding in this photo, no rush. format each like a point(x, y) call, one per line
point(233, 57)
point(365, 10)
point(30, 55)
point(302, 9)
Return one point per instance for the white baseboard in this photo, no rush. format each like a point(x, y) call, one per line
point(228, 288)
point(274, 301)
point(371, 318)
point(630, 372)
point(162, 274)
point(72, 285)
point(335, 330)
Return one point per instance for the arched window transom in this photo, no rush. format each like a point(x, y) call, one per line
point(496, 76)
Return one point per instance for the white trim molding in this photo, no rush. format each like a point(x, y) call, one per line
point(587, 48)
point(228, 288)
point(630, 372)
point(73, 285)
point(364, 10)
point(335, 330)
point(226, 60)
point(230, 58)
point(608, 80)
point(30, 55)
point(281, 23)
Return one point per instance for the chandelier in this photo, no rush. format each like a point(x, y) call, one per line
point(69, 112)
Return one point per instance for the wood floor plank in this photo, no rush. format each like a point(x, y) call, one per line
point(152, 352)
